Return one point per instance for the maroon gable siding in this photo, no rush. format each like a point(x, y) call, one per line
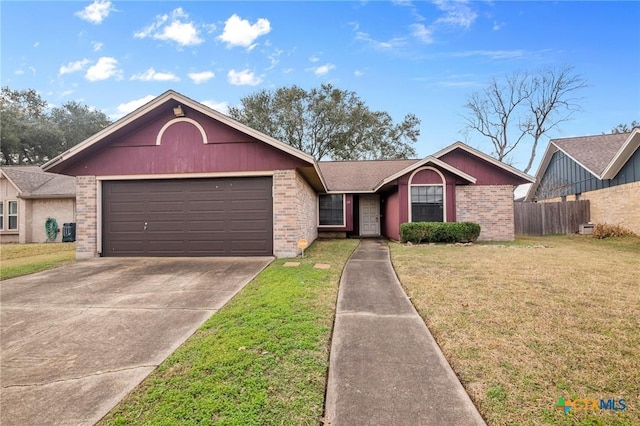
point(391, 217)
point(426, 178)
point(181, 151)
point(485, 172)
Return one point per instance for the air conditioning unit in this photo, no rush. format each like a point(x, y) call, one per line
point(586, 228)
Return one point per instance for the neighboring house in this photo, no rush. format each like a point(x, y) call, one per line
point(28, 197)
point(604, 169)
point(176, 178)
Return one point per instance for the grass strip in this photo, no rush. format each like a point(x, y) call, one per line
point(23, 259)
point(261, 360)
point(525, 323)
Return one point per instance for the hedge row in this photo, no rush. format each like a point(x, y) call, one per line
point(439, 232)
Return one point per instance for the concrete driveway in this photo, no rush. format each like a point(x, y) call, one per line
point(76, 340)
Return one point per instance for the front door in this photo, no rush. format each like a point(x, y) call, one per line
point(370, 215)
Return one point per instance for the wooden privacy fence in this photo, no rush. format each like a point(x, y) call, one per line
point(550, 218)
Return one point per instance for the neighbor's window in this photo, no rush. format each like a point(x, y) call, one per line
point(426, 204)
point(13, 215)
point(331, 210)
point(1, 215)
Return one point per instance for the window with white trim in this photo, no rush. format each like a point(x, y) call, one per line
point(12, 215)
point(331, 210)
point(427, 203)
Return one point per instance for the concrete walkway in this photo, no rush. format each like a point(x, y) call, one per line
point(385, 368)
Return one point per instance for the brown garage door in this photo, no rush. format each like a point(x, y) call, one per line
point(188, 217)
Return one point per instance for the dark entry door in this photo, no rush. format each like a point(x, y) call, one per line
point(188, 217)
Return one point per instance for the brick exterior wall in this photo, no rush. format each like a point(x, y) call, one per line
point(86, 217)
point(490, 206)
point(62, 210)
point(294, 213)
point(616, 205)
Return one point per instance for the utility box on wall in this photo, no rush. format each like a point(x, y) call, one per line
point(68, 232)
point(586, 228)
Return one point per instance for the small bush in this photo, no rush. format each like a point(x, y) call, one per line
point(439, 232)
point(603, 230)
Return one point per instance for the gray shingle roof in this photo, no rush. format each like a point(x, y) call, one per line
point(359, 176)
point(32, 181)
point(592, 152)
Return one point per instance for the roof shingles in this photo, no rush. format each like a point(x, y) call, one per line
point(359, 176)
point(593, 152)
point(32, 181)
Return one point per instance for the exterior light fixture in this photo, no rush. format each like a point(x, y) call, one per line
point(177, 111)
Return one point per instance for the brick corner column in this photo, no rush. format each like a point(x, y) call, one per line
point(86, 217)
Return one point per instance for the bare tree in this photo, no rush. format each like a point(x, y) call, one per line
point(523, 106)
point(624, 127)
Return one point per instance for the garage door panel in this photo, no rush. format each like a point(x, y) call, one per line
point(208, 227)
point(167, 207)
point(207, 206)
point(188, 217)
point(253, 226)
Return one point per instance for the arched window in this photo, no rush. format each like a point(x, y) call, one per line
point(427, 196)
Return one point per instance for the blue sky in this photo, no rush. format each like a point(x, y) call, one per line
point(421, 57)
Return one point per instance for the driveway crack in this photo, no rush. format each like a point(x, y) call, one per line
point(99, 373)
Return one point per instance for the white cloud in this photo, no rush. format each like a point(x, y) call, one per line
point(493, 54)
point(456, 13)
point(96, 45)
point(274, 58)
point(323, 69)
point(497, 25)
point(358, 73)
point(19, 72)
point(314, 58)
point(152, 75)
point(74, 66)
point(240, 32)
point(422, 33)
point(393, 43)
point(222, 107)
point(243, 78)
point(175, 27)
point(201, 77)
point(127, 107)
point(104, 69)
point(96, 12)
point(36, 44)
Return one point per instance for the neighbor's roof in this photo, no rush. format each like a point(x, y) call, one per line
point(601, 155)
point(592, 152)
point(33, 182)
point(360, 176)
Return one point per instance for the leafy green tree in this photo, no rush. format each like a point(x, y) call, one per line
point(33, 134)
point(77, 122)
point(26, 133)
point(328, 122)
point(624, 127)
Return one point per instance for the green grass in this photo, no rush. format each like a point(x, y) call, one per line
point(23, 259)
point(527, 322)
point(261, 360)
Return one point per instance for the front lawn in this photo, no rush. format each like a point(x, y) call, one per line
point(23, 259)
point(525, 323)
point(261, 360)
